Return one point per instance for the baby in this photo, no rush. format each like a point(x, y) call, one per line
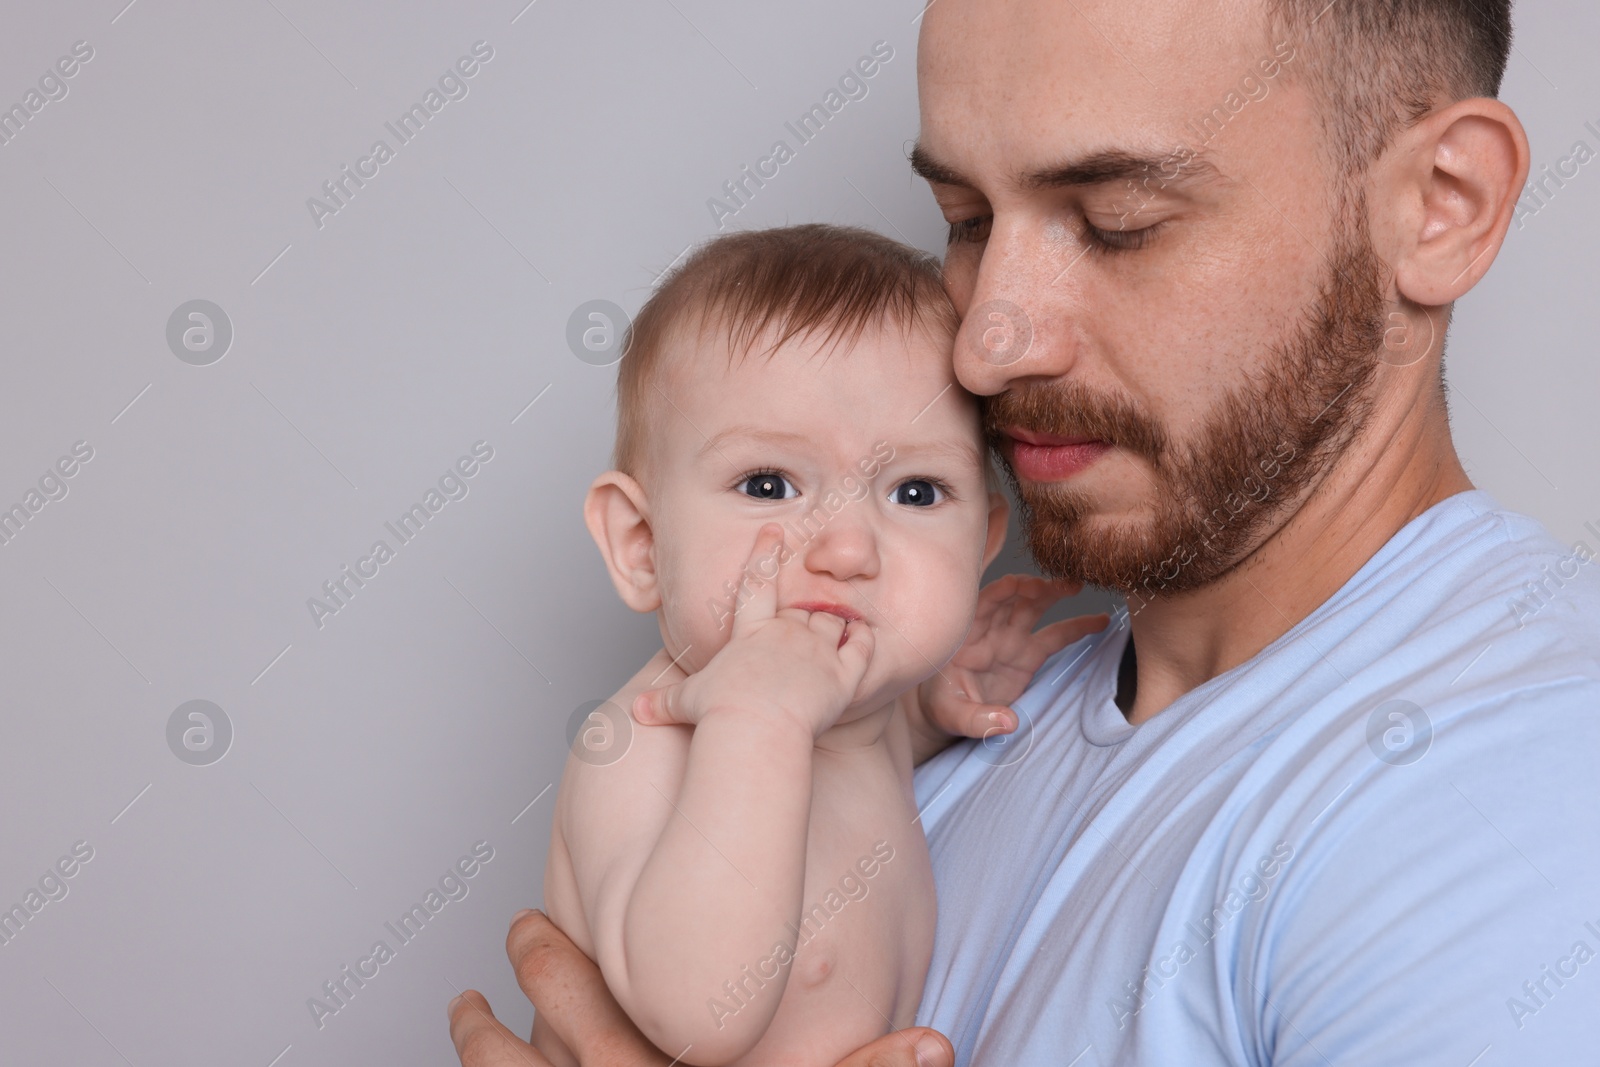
point(803, 498)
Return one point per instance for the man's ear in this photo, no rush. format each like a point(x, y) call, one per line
point(999, 520)
point(617, 513)
point(1460, 173)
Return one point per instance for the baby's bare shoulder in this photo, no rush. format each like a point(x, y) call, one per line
point(619, 774)
point(608, 812)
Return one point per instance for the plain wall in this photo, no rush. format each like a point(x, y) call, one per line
point(372, 748)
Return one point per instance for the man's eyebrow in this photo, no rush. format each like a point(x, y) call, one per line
point(1180, 166)
point(933, 171)
point(1116, 165)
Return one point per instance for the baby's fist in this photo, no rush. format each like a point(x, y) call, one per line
point(794, 663)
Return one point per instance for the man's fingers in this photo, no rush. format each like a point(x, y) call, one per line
point(916, 1047)
point(481, 1040)
point(570, 995)
point(760, 578)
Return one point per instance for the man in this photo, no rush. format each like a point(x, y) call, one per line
point(1324, 793)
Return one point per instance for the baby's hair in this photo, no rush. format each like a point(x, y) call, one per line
point(831, 281)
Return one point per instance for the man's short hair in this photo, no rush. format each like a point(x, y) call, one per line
point(831, 282)
point(1377, 66)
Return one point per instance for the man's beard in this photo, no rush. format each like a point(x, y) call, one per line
point(1262, 446)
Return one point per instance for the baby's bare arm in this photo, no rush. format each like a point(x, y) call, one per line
point(689, 853)
point(570, 996)
point(688, 859)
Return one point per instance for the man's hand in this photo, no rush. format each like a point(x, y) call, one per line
point(571, 997)
point(797, 665)
point(970, 697)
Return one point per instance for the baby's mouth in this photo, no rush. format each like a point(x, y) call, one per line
point(848, 614)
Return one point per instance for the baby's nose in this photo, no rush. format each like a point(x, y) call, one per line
point(844, 548)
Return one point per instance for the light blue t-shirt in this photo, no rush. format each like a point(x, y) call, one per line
point(1376, 843)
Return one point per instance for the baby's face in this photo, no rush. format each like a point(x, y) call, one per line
point(870, 458)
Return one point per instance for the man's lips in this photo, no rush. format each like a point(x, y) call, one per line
point(1043, 457)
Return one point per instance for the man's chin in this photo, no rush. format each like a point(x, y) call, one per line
point(1122, 547)
point(1082, 545)
point(1149, 552)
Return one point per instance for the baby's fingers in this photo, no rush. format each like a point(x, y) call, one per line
point(660, 707)
point(829, 626)
point(1018, 600)
point(1035, 596)
point(856, 650)
point(1058, 635)
point(954, 712)
point(758, 592)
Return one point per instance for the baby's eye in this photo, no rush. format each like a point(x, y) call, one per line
point(916, 493)
point(768, 486)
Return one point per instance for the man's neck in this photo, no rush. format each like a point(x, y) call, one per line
point(1384, 480)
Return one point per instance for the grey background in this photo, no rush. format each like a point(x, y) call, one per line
point(369, 354)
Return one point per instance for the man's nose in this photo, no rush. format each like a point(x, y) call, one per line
point(1021, 320)
point(846, 546)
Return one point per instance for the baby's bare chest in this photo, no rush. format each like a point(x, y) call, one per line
point(865, 928)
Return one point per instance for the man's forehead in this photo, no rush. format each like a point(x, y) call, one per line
point(1084, 62)
point(1129, 29)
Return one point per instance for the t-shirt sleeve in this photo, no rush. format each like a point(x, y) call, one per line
point(1446, 911)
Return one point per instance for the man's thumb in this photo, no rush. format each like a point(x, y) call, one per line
point(916, 1047)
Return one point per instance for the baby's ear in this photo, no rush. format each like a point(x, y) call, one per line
point(999, 519)
point(617, 513)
